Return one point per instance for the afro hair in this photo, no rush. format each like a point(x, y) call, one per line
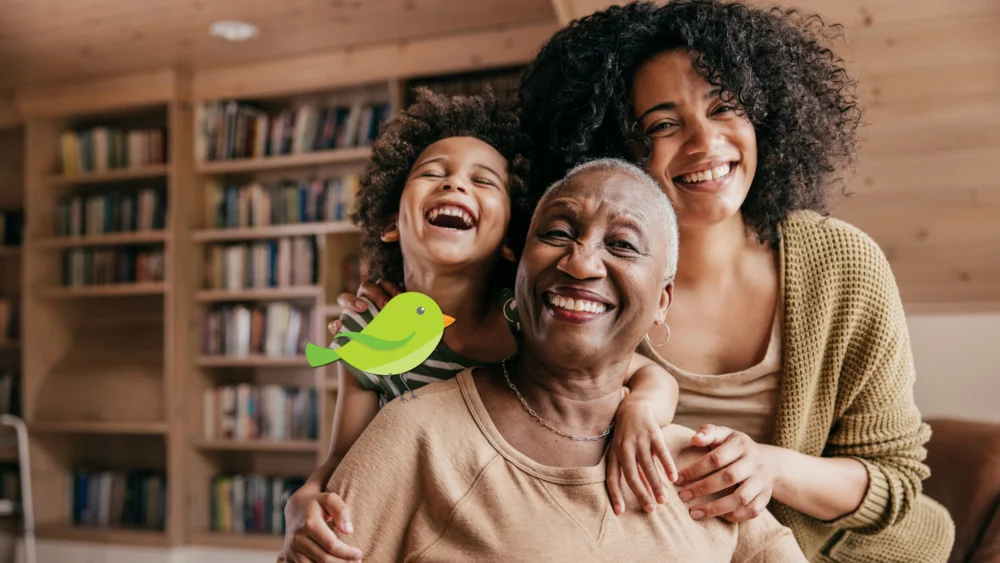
point(431, 118)
point(575, 96)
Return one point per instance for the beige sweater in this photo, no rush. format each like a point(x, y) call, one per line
point(432, 479)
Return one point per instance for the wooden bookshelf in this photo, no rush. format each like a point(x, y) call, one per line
point(108, 290)
point(259, 541)
point(254, 361)
point(110, 176)
point(111, 239)
point(267, 294)
point(11, 260)
point(297, 446)
point(93, 427)
point(275, 231)
point(123, 536)
point(100, 375)
point(304, 160)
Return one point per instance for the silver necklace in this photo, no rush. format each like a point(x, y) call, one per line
point(541, 421)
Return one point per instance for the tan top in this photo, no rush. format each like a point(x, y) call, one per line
point(745, 401)
point(432, 479)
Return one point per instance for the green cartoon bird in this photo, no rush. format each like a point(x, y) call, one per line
point(397, 340)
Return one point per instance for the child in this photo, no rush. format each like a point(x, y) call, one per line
point(443, 210)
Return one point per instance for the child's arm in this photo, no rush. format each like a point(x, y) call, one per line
point(638, 439)
point(308, 536)
point(647, 381)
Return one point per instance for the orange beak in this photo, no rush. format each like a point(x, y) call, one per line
point(448, 320)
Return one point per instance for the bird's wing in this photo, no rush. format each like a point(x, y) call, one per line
point(376, 343)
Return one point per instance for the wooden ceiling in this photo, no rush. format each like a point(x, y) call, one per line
point(44, 41)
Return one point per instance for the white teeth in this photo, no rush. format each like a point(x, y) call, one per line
point(706, 175)
point(576, 304)
point(451, 211)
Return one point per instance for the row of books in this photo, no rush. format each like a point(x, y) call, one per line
point(10, 319)
point(260, 412)
point(273, 329)
point(10, 392)
point(111, 213)
point(11, 228)
point(242, 504)
point(119, 499)
point(231, 129)
point(277, 203)
point(283, 262)
point(97, 266)
point(99, 149)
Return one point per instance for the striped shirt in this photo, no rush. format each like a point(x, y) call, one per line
point(442, 364)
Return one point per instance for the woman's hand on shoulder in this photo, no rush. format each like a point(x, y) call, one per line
point(736, 462)
point(637, 444)
point(309, 538)
point(378, 292)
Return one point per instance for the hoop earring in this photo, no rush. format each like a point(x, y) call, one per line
point(662, 342)
point(512, 306)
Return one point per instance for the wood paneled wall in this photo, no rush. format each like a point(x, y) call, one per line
point(927, 188)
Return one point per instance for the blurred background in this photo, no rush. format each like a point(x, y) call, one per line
point(175, 177)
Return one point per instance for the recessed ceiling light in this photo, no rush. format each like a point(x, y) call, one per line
point(233, 30)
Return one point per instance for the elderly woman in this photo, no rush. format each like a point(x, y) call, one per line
point(506, 463)
point(787, 336)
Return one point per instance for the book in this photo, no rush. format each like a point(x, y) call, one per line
point(101, 148)
point(232, 129)
point(277, 329)
point(281, 262)
point(117, 212)
point(283, 202)
point(11, 228)
point(260, 412)
point(107, 498)
point(100, 266)
point(250, 503)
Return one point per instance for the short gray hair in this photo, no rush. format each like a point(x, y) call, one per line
point(664, 208)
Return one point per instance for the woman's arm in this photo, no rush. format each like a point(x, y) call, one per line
point(822, 487)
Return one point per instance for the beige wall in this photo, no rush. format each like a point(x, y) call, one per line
point(958, 372)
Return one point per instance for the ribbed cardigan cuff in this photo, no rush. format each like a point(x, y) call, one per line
point(871, 512)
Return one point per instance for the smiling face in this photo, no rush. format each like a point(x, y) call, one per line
point(592, 277)
point(455, 208)
point(704, 152)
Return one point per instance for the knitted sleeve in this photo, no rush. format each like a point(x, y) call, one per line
point(877, 419)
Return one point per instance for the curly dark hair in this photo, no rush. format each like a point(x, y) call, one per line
point(431, 118)
point(795, 91)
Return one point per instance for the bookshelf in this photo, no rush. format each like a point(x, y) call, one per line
point(273, 235)
point(120, 388)
point(11, 234)
point(100, 247)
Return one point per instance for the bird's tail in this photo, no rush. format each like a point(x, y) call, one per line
point(319, 356)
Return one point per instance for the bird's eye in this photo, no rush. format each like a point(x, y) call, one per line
point(420, 310)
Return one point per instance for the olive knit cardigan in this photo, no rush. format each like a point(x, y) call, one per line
point(847, 387)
